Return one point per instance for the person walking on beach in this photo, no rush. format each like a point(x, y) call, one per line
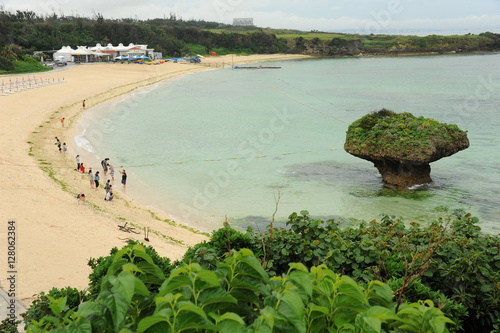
point(104, 164)
point(91, 178)
point(62, 121)
point(124, 177)
point(83, 104)
point(77, 158)
point(96, 179)
point(111, 172)
point(64, 148)
point(58, 144)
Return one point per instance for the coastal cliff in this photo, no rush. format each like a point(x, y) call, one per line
point(358, 45)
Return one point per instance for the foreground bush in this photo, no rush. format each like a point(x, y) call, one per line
point(449, 261)
point(238, 296)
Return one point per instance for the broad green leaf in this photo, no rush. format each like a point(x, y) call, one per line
point(188, 306)
point(140, 288)
point(316, 308)
point(117, 306)
point(152, 273)
point(139, 249)
point(144, 255)
point(303, 281)
point(174, 284)
point(215, 295)
point(231, 316)
point(350, 296)
point(438, 324)
point(57, 305)
point(381, 313)
point(124, 284)
point(87, 308)
point(166, 302)
point(82, 325)
point(299, 267)
point(379, 293)
point(116, 265)
point(248, 282)
point(251, 266)
point(325, 287)
point(292, 308)
point(265, 322)
point(231, 326)
point(208, 277)
point(191, 317)
point(368, 325)
point(130, 267)
point(150, 321)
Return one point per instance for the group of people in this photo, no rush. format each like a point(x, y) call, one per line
point(62, 147)
point(94, 178)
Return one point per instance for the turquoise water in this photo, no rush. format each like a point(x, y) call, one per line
point(224, 144)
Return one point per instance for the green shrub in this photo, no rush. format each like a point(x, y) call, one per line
point(41, 306)
point(28, 65)
point(238, 296)
point(101, 265)
point(451, 257)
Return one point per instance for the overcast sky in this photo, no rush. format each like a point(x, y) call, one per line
point(369, 16)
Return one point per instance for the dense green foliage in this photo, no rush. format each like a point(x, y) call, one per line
point(237, 296)
point(172, 36)
point(9, 326)
point(41, 306)
point(402, 134)
point(101, 265)
point(450, 262)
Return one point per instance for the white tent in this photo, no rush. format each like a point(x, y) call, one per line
point(81, 54)
point(65, 53)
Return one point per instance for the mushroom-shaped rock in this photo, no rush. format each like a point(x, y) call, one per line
point(401, 146)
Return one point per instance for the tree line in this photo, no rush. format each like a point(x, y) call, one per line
point(23, 32)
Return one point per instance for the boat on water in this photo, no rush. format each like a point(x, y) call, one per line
point(256, 67)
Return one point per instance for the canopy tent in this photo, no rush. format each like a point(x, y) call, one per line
point(64, 53)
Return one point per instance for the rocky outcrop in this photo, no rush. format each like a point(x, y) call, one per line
point(402, 146)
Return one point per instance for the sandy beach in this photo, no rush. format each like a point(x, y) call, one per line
point(55, 236)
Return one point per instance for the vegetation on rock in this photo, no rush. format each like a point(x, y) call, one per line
point(401, 146)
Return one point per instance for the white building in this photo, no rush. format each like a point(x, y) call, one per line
point(99, 52)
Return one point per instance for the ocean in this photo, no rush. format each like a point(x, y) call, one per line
point(251, 146)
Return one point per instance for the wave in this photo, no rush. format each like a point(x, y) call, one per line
point(82, 142)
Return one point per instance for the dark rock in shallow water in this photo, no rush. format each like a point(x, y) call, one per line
point(402, 146)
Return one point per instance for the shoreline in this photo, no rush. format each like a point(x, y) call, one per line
point(56, 237)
